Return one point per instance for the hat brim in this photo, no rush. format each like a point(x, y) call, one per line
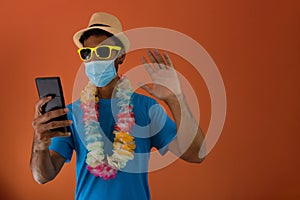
point(120, 35)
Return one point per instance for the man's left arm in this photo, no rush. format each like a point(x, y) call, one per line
point(189, 138)
point(166, 87)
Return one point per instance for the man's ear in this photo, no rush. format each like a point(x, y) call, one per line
point(121, 57)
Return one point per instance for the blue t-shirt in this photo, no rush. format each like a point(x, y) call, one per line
point(153, 129)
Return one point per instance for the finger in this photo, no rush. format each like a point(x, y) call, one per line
point(59, 134)
point(159, 58)
point(168, 59)
point(45, 137)
point(40, 104)
point(51, 115)
point(153, 60)
point(147, 66)
point(53, 125)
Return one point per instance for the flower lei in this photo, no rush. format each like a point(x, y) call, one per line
point(123, 145)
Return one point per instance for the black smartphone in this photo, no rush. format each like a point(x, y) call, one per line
point(51, 86)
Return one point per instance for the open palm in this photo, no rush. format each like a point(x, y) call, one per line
point(165, 83)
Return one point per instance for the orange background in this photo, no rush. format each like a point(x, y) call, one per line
point(256, 47)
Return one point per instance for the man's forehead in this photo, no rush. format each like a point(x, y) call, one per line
point(108, 41)
point(95, 40)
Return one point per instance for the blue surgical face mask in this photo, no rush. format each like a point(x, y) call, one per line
point(100, 72)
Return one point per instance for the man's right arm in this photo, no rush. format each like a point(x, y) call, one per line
point(46, 164)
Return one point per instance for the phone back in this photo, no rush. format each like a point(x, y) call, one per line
point(51, 86)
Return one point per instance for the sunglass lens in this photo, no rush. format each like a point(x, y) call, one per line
point(85, 54)
point(103, 52)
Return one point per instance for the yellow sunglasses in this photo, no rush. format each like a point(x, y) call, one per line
point(102, 52)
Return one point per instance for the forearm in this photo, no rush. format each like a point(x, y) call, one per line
point(46, 164)
point(42, 167)
point(189, 137)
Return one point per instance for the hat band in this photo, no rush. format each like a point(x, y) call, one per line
point(99, 25)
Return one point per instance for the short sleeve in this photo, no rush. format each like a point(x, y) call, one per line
point(163, 129)
point(64, 145)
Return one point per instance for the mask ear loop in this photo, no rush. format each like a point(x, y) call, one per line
point(121, 55)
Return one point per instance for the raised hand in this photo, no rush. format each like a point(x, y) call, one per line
point(164, 77)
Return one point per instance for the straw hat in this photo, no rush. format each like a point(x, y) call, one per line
point(106, 22)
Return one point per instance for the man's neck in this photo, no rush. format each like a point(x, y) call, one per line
point(106, 91)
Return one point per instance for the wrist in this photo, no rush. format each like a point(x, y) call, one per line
point(174, 98)
point(40, 146)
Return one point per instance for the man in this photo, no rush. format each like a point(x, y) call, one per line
point(112, 128)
